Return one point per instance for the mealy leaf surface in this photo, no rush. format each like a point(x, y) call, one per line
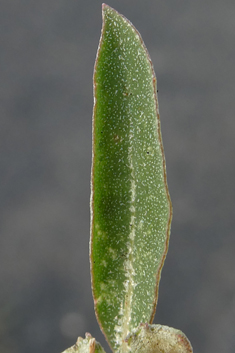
point(130, 204)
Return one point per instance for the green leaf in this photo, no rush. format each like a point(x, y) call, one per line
point(130, 204)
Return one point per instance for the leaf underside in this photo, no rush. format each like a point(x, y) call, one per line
point(130, 204)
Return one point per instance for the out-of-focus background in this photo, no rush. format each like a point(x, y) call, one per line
point(48, 50)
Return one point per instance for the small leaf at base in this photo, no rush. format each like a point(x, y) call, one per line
point(158, 339)
point(85, 345)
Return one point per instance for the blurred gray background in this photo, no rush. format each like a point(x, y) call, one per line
point(48, 50)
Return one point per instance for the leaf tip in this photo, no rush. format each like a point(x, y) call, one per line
point(105, 7)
